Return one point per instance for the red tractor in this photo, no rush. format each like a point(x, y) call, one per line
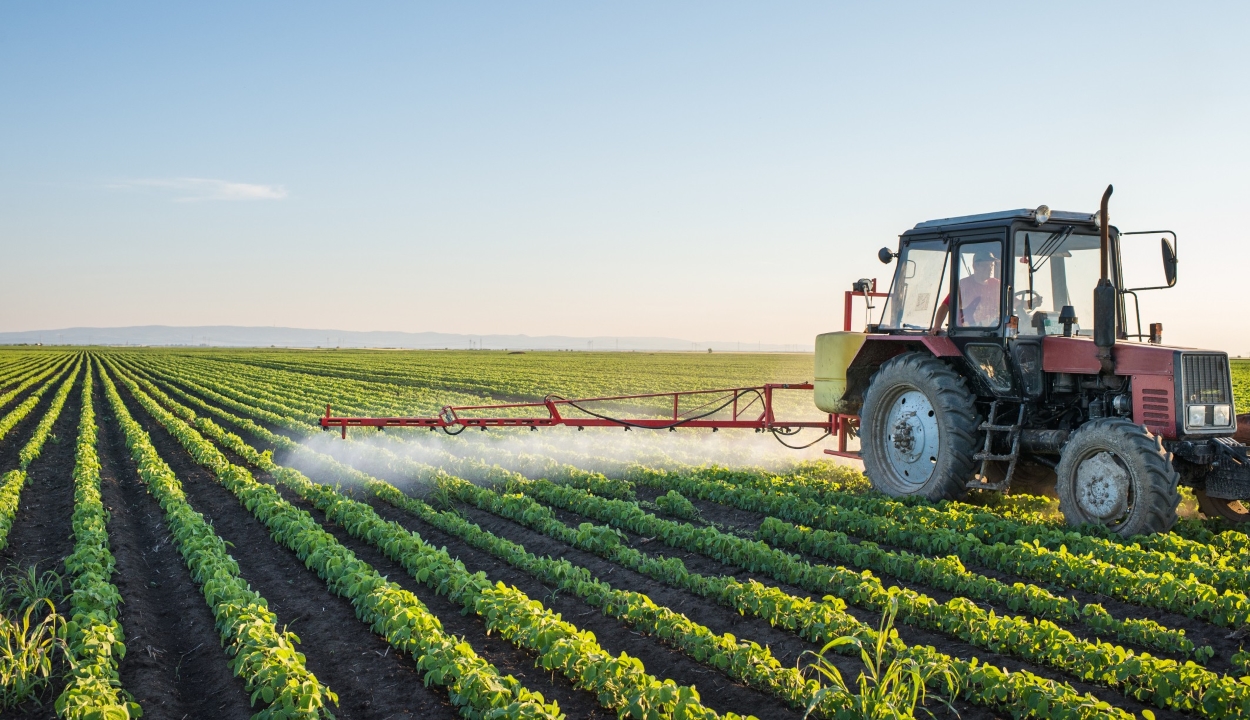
point(1003, 354)
point(1004, 350)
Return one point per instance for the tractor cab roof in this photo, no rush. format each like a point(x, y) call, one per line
point(1005, 217)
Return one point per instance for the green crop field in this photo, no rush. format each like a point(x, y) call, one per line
point(1241, 384)
point(195, 534)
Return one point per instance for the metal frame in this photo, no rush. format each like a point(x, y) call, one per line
point(739, 401)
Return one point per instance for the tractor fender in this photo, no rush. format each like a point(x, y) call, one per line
point(879, 348)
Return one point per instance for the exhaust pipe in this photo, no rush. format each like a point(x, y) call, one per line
point(1105, 294)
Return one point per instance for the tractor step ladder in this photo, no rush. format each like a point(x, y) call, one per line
point(986, 456)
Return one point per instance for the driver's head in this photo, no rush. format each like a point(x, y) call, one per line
point(984, 264)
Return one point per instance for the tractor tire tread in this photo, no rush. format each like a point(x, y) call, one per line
point(953, 399)
point(1160, 482)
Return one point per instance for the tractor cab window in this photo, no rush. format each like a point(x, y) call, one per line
point(1065, 268)
point(979, 297)
point(918, 285)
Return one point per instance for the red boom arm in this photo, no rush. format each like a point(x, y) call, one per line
point(747, 408)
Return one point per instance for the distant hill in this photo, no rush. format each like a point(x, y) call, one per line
point(238, 336)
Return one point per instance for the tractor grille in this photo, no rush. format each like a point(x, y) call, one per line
point(1205, 379)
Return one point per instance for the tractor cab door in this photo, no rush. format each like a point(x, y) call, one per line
point(978, 309)
point(1051, 268)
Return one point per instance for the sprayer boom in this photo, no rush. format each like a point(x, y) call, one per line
point(739, 408)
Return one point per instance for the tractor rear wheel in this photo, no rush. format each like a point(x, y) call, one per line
point(1234, 511)
point(918, 429)
point(1117, 474)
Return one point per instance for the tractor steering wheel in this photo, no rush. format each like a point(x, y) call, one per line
point(1023, 297)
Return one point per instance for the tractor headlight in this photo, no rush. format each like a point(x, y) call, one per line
point(1221, 415)
point(1041, 215)
point(1197, 415)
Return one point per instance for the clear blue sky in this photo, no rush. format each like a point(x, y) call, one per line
point(708, 171)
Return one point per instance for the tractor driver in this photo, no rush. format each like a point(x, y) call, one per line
point(978, 295)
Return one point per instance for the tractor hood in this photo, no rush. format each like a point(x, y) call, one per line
point(1079, 356)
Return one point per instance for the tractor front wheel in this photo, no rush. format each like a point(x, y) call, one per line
point(1117, 474)
point(1234, 511)
point(918, 429)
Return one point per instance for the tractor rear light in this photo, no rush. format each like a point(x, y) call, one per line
point(1221, 415)
point(1197, 415)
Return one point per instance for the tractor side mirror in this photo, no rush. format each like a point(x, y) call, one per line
point(885, 255)
point(1169, 262)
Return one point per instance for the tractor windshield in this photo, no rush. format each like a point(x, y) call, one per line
point(1065, 268)
point(918, 286)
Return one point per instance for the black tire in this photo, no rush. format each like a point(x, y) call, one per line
point(1234, 511)
point(946, 425)
point(1117, 474)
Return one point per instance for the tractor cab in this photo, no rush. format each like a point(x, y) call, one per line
point(1012, 274)
point(1004, 351)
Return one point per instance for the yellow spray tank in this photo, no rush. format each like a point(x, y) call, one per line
point(834, 353)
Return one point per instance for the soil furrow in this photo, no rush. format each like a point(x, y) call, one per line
point(174, 665)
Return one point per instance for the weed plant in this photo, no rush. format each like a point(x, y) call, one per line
point(32, 632)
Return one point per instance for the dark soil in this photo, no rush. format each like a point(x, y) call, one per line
point(174, 665)
point(370, 678)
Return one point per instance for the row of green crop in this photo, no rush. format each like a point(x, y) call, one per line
point(915, 527)
point(95, 637)
point(1166, 683)
point(620, 682)
point(814, 620)
point(1167, 552)
point(12, 482)
point(261, 654)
